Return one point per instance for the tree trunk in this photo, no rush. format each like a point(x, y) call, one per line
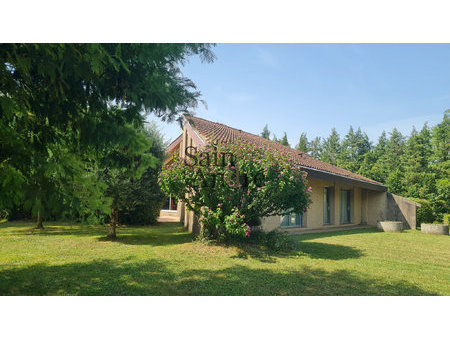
point(39, 221)
point(114, 222)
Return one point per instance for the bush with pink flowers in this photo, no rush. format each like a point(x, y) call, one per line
point(232, 185)
point(217, 226)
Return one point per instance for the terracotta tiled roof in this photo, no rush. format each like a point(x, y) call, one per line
point(218, 132)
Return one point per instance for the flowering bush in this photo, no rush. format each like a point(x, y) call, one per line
point(211, 221)
point(215, 225)
point(235, 181)
point(235, 224)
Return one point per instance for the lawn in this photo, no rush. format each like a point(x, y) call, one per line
point(69, 259)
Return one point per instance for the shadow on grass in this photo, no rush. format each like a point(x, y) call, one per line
point(336, 233)
point(153, 277)
point(102, 277)
point(329, 251)
point(157, 234)
point(259, 253)
point(53, 229)
point(313, 250)
point(151, 239)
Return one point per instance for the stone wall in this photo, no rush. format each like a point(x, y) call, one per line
point(401, 209)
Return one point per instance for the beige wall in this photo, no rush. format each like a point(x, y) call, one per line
point(376, 206)
point(313, 218)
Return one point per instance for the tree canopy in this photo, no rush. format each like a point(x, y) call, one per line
point(72, 115)
point(284, 141)
point(303, 144)
point(266, 133)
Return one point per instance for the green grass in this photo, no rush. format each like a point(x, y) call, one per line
point(66, 259)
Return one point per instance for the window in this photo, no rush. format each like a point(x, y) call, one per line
point(345, 206)
point(292, 221)
point(327, 205)
point(170, 204)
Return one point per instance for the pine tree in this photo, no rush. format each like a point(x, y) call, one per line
point(123, 163)
point(440, 166)
point(440, 147)
point(284, 141)
point(418, 179)
point(315, 148)
point(331, 148)
point(372, 164)
point(392, 165)
point(354, 147)
point(144, 198)
point(266, 133)
point(303, 144)
point(347, 156)
point(395, 148)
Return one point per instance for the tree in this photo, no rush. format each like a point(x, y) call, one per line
point(418, 179)
point(78, 95)
point(395, 182)
point(123, 163)
point(440, 166)
point(440, 147)
point(266, 133)
point(395, 148)
point(441, 199)
point(372, 164)
point(143, 197)
point(353, 149)
point(284, 141)
point(331, 148)
point(303, 144)
point(315, 148)
point(12, 152)
point(243, 183)
point(63, 82)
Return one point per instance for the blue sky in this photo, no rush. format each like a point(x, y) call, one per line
point(312, 88)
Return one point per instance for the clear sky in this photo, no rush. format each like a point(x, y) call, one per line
point(312, 88)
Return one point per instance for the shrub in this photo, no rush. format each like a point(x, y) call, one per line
point(143, 201)
point(447, 219)
point(242, 177)
point(424, 214)
point(274, 240)
point(3, 216)
point(143, 198)
point(217, 226)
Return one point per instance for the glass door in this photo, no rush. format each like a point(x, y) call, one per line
point(327, 205)
point(345, 209)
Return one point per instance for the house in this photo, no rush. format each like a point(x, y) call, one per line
point(340, 198)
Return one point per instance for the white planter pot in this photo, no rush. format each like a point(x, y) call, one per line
point(435, 229)
point(390, 226)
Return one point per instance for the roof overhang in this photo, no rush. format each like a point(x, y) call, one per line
point(327, 176)
point(196, 138)
point(171, 147)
